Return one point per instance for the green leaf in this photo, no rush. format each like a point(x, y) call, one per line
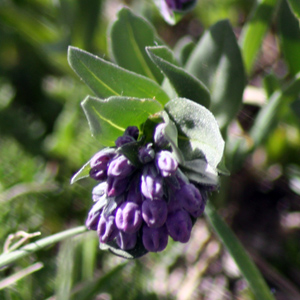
point(171, 134)
point(200, 171)
point(198, 132)
point(271, 83)
point(183, 49)
point(289, 37)
point(162, 52)
point(221, 168)
point(238, 253)
point(107, 79)
point(109, 118)
point(268, 116)
point(295, 107)
point(129, 35)
point(27, 24)
point(131, 151)
point(185, 84)
point(82, 173)
point(265, 122)
point(295, 7)
point(254, 31)
point(217, 62)
point(86, 23)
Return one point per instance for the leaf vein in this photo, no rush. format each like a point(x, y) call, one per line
point(99, 80)
point(107, 120)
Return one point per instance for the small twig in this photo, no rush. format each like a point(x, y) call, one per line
point(25, 236)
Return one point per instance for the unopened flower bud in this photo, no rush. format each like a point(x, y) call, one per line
point(116, 186)
point(124, 139)
point(134, 192)
point(94, 216)
point(120, 167)
point(190, 198)
point(146, 154)
point(107, 229)
point(132, 131)
point(98, 174)
point(99, 191)
point(151, 183)
point(177, 4)
point(126, 241)
point(102, 157)
point(173, 205)
point(154, 212)
point(99, 163)
point(179, 225)
point(155, 239)
point(129, 217)
point(159, 137)
point(166, 163)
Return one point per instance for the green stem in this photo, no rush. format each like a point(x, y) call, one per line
point(238, 253)
point(7, 258)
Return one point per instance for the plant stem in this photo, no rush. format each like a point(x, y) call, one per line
point(7, 258)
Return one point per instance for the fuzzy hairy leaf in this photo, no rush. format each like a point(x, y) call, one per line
point(107, 79)
point(185, 84)
point(109, 118)
point(129, 35)
point(217, 62)
point(198, 132)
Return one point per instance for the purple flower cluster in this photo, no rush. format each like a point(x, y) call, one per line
point(149, 201)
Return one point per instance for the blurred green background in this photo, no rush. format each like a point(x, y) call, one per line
point(45, 139)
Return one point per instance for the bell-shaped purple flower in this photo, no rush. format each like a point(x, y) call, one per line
point(151, 183)
point(154, 213)
point(129, 217)
point(166, 163)
point(155, 239)
point(126, 241)
point(190, 198)
point(107, 229)
point(179, 225)
point(146, 154)
point(116, 186)
point(159, 137)
point(120, 167)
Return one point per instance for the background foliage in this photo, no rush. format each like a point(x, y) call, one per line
point(44, 139)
